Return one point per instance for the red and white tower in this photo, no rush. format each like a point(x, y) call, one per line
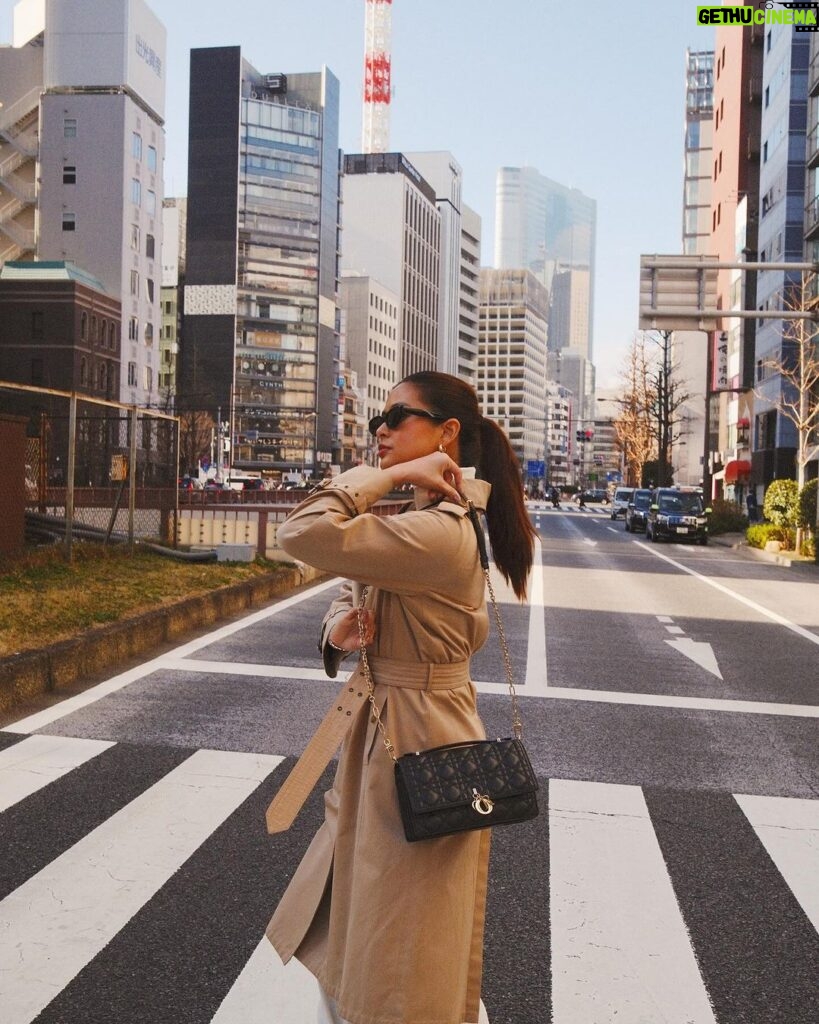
point(375, 136)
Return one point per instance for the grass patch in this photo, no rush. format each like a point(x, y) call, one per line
point(44, 599)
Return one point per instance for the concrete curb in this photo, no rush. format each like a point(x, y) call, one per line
point(737, 542)
point(66, 663)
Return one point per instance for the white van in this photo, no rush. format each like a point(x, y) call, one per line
point(619, 503)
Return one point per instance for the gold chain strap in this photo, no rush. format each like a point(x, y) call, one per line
point(517, 723)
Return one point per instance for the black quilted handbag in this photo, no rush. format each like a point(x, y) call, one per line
point(463, 786)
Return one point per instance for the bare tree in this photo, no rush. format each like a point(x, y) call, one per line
point(633, 426)
point(798, 366)
point(669, 397)
point(195, 435)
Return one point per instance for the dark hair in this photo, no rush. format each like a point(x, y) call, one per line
point(484, 445)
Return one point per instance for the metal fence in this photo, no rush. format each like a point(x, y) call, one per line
point(96, 468)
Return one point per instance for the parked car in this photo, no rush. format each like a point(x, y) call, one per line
point(619, 503)
point(677, 515)
point(637, 510)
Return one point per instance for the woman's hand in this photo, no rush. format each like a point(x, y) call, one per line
point(344, 633)
point(436, 473)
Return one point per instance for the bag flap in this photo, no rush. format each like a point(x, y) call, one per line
point(445, 777)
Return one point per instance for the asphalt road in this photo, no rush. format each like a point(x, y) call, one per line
point(670, 703)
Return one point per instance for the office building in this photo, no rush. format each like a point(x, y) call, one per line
point(469, 297)
point(458, 271)
point(392, 233)
point(174, 226)
point(370, 333)
point(550, 229)
point(689, 349)
point(97, 113)
point(781, 239)
point(259, 332)
point(512, 358)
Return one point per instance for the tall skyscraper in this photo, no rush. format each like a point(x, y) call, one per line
point(392, 232)
point(97, 114)
point(550, 229)
point(260, 334)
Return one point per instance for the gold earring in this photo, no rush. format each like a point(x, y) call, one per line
point(441, 448)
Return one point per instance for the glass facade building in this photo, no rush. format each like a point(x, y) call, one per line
point(262, 342)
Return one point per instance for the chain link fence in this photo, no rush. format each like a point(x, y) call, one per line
point(96, 468)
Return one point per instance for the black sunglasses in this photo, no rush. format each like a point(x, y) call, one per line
point(397, 414)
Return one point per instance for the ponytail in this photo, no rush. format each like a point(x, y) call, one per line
point(484, 445)
point(511, 533)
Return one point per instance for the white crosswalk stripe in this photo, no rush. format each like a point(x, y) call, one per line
point(620, 946)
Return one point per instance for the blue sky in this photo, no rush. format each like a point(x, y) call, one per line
point(591, 94)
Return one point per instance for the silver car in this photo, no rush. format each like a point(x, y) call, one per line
point(619, 503)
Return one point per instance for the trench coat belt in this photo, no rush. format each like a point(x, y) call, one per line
point(336, 724)
point(419, 675)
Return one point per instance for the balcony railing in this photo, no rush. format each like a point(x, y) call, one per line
point(812, 149)
point(813, 76)
point(812, 219)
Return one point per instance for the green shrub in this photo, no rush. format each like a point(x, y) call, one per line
point(758, 534)
point(726, 517)
point(781, 505)
point(807, 505)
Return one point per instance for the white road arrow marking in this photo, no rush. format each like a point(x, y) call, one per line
point(589, 541)
point(698, 651)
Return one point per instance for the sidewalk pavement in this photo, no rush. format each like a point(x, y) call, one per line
point(738, 543)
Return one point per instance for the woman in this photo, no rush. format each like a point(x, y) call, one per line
point(394, 931)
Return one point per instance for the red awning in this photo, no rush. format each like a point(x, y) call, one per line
point(737, 469)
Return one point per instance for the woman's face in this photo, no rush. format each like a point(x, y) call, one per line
point(414, 436)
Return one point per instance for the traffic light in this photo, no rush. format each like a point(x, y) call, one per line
point(580, 435)
point(589, 435)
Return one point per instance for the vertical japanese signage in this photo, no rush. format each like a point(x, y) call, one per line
point(720, 381)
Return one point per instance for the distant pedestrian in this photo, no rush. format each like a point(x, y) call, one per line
point(753, 508)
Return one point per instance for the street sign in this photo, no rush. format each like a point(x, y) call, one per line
point(614, 477)
point(675, 292)
point(535, 467)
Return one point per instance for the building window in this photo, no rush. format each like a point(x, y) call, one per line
point(150, 246)
point(36, 371)
point(152, 158)
point(149, 378)
point(136, 191)
point(69, 174)
point(149, 334)
point(136, 146)
point(149, 288)
point(37, 324)
point(150, 202)
point(93, 328)
point(112, 336)
point(69, 222)
point(83, 373)
point(135, 237)
point(132, 375)
point(84, 327)
point(135, 282)
point(69, 127)
point(133, 329)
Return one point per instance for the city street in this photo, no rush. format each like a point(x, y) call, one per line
point(670, 704)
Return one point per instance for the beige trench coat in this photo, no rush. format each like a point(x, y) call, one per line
point(394, 930)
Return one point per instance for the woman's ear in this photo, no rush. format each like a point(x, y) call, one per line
point(451, 428)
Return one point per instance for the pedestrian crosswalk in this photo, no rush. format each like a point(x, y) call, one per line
point(135, 883)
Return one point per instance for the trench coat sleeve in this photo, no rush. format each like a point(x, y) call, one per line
point(331, 657)
point(407, 554)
